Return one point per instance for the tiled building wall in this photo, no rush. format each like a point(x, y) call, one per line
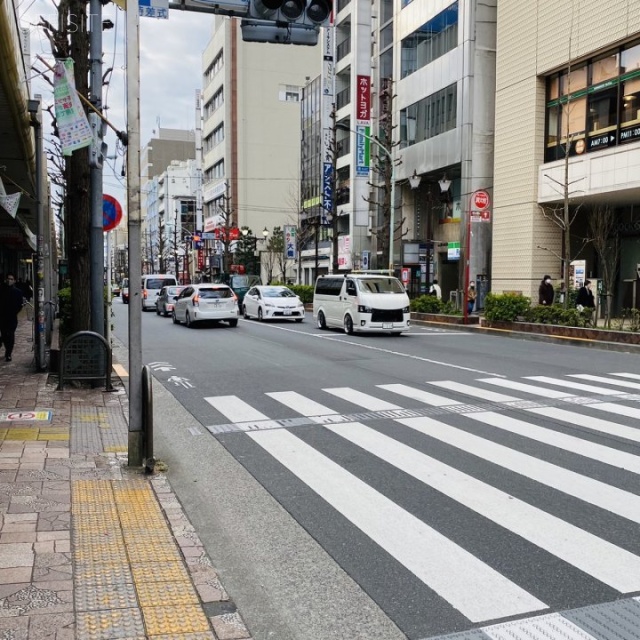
point(535, 38)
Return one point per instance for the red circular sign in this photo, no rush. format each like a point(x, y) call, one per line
point(480, 200)
point(111, 213)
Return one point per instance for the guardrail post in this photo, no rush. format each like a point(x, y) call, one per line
point(147, 420)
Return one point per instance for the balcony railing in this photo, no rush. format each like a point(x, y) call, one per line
point(343, 98)
point(343, 147)
point(343, 49)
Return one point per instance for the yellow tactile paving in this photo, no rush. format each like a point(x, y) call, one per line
point(22, 434)
point(182, 619)
point(116, 449)
point(119, 530)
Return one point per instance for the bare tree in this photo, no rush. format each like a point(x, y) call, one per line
point(606, 242)
point(73, 43)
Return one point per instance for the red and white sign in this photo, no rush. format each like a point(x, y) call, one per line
point(200, 259)
point(406, 276)
point(363, 105)
point(480, 200)
point(481, 216)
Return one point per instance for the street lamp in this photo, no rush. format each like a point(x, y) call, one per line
point(246, 234)
point(386, 151)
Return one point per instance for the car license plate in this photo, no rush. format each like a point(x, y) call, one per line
point(287, 312)
point(387, 325)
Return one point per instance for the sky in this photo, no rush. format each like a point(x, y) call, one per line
point(170, 72)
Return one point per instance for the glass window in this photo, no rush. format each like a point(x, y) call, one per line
point(553, 120)
point(554, 87)
point(432, 40)
point(574, 81)
point(386, 36)
point(604, 69)
point(630, 102)
point(603, 111)
point(573, 119)
point(630, 59)
point(429, 117)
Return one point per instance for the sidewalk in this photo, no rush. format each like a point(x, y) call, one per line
point(89, 548)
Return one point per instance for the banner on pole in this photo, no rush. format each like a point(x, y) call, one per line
point(9, 202)
point(73, 125)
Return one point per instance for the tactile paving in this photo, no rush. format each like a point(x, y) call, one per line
point(108, 625)
point(157, 537)
point(156, 572)
point(158, 594)
point(153, 553)
point(184, 636)
point(105, 597)
point(93, 573)
point(167, 620)
point(91, 554)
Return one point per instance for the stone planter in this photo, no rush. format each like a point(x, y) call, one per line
point(445, 319)
point(600, 335)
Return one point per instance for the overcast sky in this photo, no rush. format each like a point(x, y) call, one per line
point(170, 72)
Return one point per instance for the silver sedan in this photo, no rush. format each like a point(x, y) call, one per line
point(200, 302)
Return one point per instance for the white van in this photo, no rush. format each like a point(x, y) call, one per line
point(361, 302)
point(151, 285)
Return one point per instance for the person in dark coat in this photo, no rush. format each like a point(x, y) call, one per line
point(585, 296)
point(11, 300)
point(545, 292)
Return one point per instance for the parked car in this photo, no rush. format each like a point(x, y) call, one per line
point(115, 289)
point(166, 300)
point(124, 291)
point(267, 302)
point(199, 302)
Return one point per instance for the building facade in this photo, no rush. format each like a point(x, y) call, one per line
point(567, 130)
point(250, 135)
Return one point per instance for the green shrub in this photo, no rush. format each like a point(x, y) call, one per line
point(431, 304)
point(558, 315)
point(303, 291)
point(505, 307)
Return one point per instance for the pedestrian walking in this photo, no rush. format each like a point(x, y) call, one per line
point(11, 300)
point(435, 289)
point(471, 298)
point(585, 298)
point(546, 292)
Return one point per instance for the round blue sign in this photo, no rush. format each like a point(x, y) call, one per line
point(111, 213)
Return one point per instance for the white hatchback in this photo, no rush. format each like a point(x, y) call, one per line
point(200, 302)
point(267, 302)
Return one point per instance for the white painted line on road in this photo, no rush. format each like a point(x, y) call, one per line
point(302, 405)
point(418, 394)
point(439, 363)
point(615, 458)
point(605, 426)
point(468, 584)
point(527, 388)
point(616, 567)
point(618, 409)
point(633, 376)
point(235, 410)
point(120, 371)
point(594, 492)
point(570, 384)
point(362, 399)
point(474, 392)
point(617, 383)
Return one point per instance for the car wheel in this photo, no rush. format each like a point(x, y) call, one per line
point(187, 321)
point(260, 318)
point(348, 325)
point(244, 312)
point(233, 323)
point(165, 313)
point(174, 318)
point(322, 323)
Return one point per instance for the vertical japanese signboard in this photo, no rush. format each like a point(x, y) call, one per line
point(290, 242)
point(363, 121)
point(328, 92)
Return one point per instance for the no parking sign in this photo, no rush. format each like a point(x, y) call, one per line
point(111, 213)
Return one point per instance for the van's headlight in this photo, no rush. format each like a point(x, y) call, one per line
point(364, 309)
point(406, 310)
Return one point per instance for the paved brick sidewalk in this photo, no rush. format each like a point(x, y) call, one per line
point(89, 548)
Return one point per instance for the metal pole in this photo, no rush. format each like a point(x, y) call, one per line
point(133, 207)
point(392, 217)
point(109, 291)
point(97, 238)
point(467, 251)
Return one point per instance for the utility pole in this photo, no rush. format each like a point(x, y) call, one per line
point(334, 195)
point(96, 160)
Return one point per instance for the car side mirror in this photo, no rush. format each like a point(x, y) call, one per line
point(175, 297)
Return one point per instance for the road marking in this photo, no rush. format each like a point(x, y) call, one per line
point(364, 400)
point(301, 404)
point(234, 409)
point(617, 383)
point(468, 584)
point(570, 384)
point(616, 567)
point(527, 388)
point(418, 394)
point(475, 392)
point(574, 484)
point(619, 459)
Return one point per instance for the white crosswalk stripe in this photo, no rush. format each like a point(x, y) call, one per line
point(422, 441)
point(472, 587)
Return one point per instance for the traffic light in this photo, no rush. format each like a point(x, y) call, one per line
point(312, 13)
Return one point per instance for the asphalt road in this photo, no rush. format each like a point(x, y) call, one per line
point(382, 487)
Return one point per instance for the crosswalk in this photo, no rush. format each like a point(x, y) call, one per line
point(484, 501)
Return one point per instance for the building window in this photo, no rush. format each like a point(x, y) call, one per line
point(289, 93)
point(217, 171)
point(429, 117)
point(213, 69)
point(218, 135)
point(595, 106)
point(432, 40)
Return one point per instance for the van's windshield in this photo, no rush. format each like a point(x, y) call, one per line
point(380, 285)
